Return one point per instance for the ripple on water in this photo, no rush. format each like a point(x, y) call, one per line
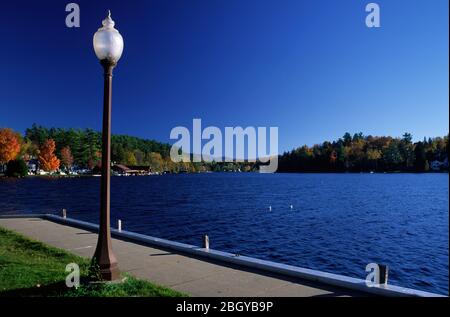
point(340, 222)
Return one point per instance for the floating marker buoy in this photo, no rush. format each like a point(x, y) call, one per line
point(292, 207)
point(270, 208)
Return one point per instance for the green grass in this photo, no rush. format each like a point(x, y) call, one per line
point(31, 268)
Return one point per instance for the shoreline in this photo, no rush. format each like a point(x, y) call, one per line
point(161, 174)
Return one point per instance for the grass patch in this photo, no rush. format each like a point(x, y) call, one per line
point(31, 268)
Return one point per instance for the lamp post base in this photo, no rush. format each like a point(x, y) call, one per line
point(110, 273)
point(104, 262)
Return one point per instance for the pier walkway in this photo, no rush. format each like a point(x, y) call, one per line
point(185, 273)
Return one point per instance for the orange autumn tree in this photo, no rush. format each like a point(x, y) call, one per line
point(9, 145)
point(47, 158)
point(66, 157)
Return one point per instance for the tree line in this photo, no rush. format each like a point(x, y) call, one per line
point(359, 153)
point(63, 149)
point(85, 146)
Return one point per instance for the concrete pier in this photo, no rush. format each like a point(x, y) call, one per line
point(194, 275)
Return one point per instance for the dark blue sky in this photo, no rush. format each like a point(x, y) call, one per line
point(312, 68)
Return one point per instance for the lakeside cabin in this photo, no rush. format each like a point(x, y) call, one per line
point(131, 170)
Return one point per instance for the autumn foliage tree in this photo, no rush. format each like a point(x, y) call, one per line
point(66, 157)
point(9, 145)
point(47, 158)
point(368, 153)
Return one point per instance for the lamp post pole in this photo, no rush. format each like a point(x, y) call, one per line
point(108, 46)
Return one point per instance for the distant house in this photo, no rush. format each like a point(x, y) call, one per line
point(120, 169)
point(140, 169)
point(124, 170)
point(79, 170)
point(32, 166)
point(437, 165)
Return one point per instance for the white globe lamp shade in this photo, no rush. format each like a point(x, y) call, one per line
point(108, 43)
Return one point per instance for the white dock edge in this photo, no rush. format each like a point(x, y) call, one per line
point(249, 262)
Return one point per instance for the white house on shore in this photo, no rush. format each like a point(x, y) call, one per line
point(439, 165)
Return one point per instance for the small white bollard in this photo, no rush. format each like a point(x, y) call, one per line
point(119, 225)
point(205, 242)
point(64, 213)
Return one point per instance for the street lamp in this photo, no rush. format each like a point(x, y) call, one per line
point(108, 46)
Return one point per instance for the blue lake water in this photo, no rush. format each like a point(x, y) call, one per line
point(339, 222)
